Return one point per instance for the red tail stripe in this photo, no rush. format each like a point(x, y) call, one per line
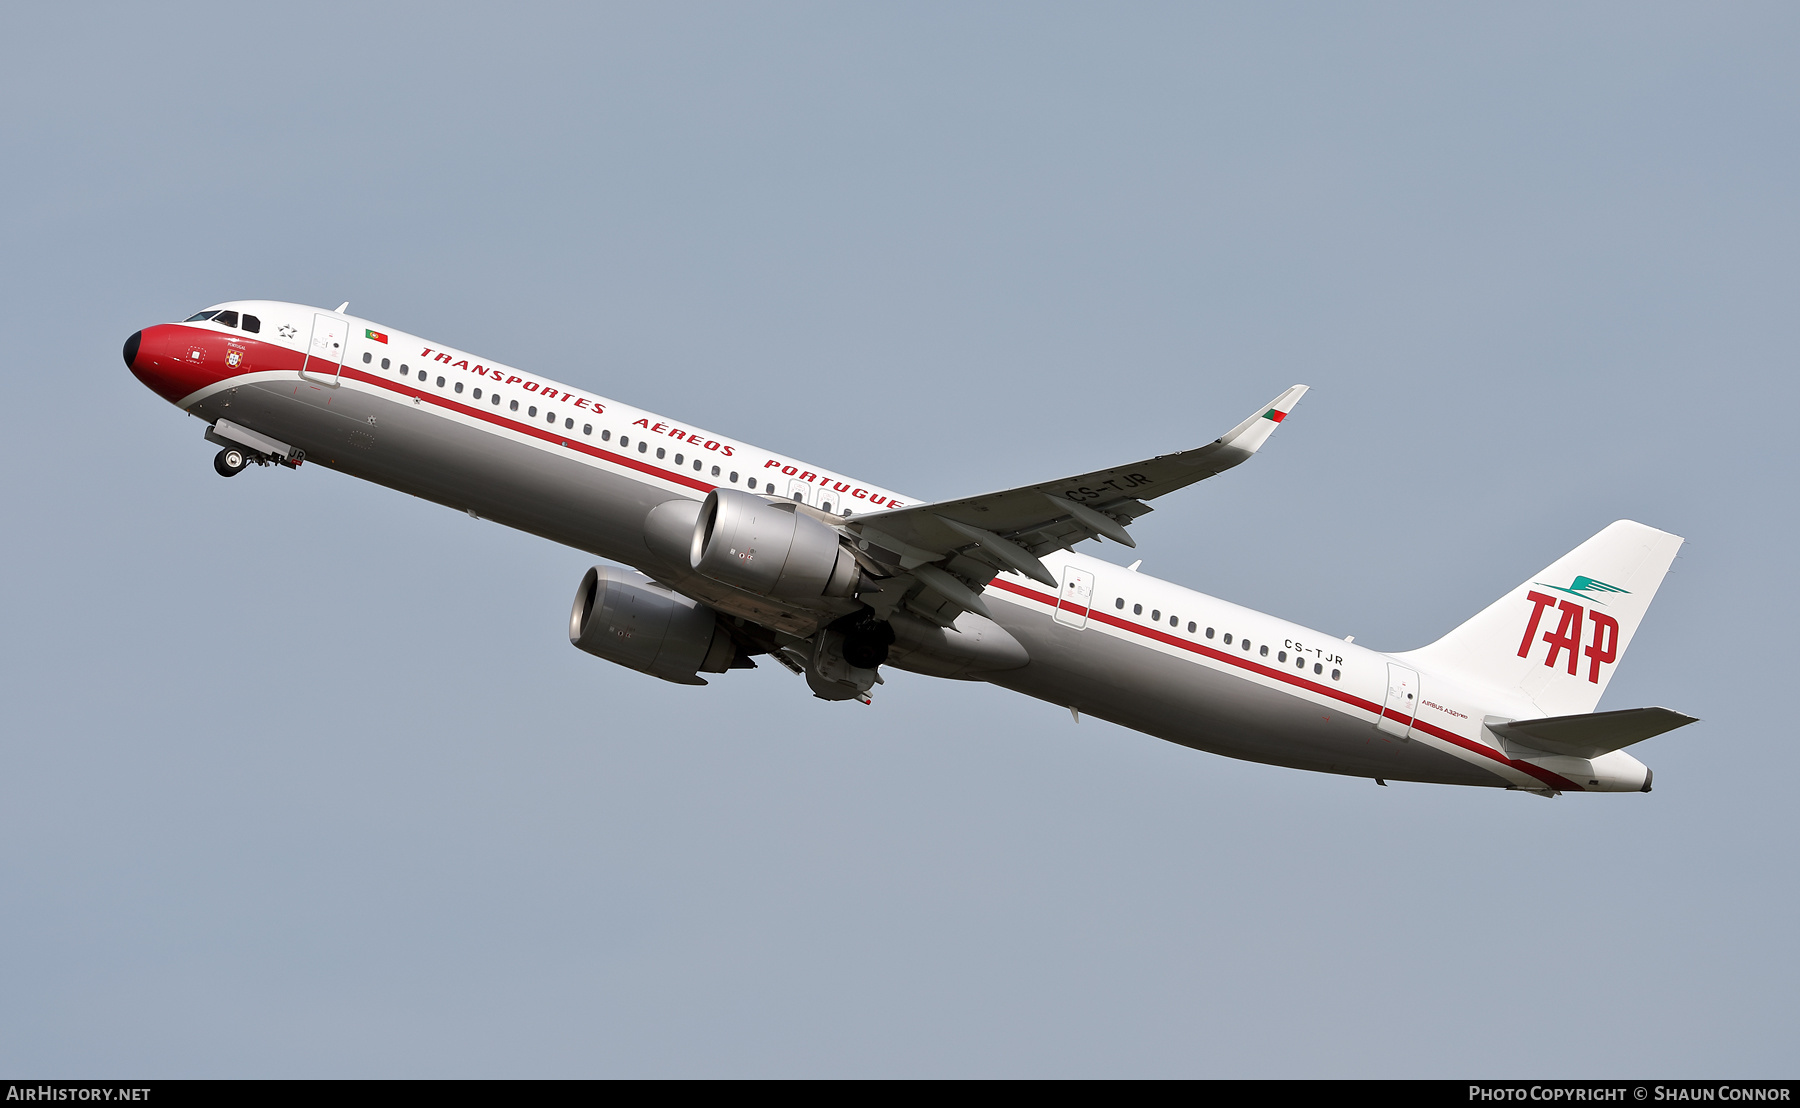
point(1554, 780)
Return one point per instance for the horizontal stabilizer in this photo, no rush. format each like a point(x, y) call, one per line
point(1589, 735)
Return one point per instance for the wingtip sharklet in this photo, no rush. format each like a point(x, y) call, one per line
point(1249, 435)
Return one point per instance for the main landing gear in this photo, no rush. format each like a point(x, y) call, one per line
point(231, 461)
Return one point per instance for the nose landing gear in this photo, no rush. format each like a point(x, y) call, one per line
point(244, 447)
point(231, 461)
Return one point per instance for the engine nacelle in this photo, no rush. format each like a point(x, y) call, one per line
point(768, 548)
point(627, 618)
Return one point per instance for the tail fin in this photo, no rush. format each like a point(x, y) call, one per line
point(1557, 637)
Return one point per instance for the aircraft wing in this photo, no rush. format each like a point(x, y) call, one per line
point(939, 556)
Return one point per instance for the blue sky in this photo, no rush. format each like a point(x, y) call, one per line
point(301, 776)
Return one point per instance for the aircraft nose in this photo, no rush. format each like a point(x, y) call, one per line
point(171, 362)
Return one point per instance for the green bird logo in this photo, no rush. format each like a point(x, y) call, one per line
point(1586, 587)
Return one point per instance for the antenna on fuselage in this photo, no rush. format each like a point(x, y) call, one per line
point(341, 308)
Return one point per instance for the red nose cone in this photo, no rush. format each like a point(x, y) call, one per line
point(174, 361)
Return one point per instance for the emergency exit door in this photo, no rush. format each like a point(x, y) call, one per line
point(1076, 597)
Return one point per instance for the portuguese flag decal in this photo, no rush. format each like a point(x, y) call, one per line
point(379, 337)
point(1270, 414)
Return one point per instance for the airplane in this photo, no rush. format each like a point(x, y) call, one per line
point(738, 553)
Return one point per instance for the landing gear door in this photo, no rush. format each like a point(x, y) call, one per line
point(325, 353)
point(1076, 597)
point(1402, 702)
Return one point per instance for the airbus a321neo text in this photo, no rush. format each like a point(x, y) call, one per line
point(737, 553)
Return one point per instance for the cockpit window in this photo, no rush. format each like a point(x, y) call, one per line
point(229, 319)
point(253, 325)
point(199, 316)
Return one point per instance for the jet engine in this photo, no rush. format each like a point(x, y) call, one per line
point(769, 548)
point(627, 618)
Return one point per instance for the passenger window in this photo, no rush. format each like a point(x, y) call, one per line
point(1228, 638)
point(587, 428)
point(1318, 668)
point(440, 382)
point(1137, 609)
point(385, 363)
point(642, 446)
point(1299, 661)
point(606, 436)
point(1334, 674)
point(1209, 632)
point(477, 394)
point(1281, 657)
point(1265, 652)
point(1174, 621)
point(550, 418)
point(697, 467)
point(733, 476)
point(624, 440)
point(1190, 626)
point(532, 411)
point(513, 407)
point(201, 317)
point(568, 424)
point(496, 400)
point(659, 453)
point(678, 459)
point(1246, 643)
point(367, 357)
point(715, 471)
point(826, 506)
point(404, 371)
point(229, 319)
point(1156, 615)
point(254, 326)
point(799, 498)
point(1119, 603)
point(459, 386)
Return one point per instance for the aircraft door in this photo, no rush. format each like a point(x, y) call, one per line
point(1402, 700)
point(325, 353)
point(801, 491)
point(1076, 597)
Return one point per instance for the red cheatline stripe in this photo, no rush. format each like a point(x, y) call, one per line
point(1544, 775)
point(535, 432)
point(1554, 780)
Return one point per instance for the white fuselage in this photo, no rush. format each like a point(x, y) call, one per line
point(585, 470)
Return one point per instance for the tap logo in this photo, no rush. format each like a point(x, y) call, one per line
point(1602, 648)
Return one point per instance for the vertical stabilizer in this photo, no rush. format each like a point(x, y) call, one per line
point(1557, 637)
